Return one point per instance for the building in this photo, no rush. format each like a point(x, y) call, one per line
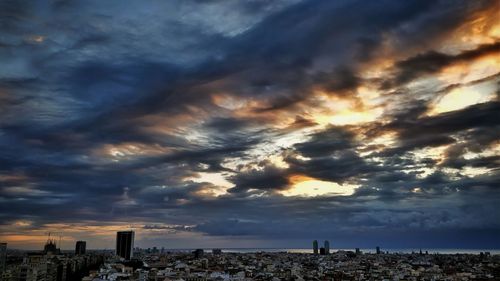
point(358, 251)
point(216, 251)
point(315, 247)
point(50, 247)
point(125, 244)
point(198, 253)
point(3, 256)
point(378, 250)
point(322, 251)
point(37, 266)
point(327, 247)
point(80, 248)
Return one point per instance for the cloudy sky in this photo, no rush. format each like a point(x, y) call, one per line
point(250, 123)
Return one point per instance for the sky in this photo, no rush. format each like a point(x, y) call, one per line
point(250, 123)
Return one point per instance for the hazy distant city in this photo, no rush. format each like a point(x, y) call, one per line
point(319, 262)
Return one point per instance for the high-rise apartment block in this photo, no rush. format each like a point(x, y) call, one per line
point(125, 244)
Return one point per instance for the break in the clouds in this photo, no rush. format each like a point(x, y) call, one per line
point(251, 123)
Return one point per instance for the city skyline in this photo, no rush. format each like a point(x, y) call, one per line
point(124, 249)
point(250, 124)
point(158, 264)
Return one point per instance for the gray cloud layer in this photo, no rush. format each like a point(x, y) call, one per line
point(82, 80)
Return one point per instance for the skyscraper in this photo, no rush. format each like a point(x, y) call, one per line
point(327, 247)
point(80, 248)
point(3, 256)
point(125, 244)
point(315, 247)
point(378, 250)
point(322, 251)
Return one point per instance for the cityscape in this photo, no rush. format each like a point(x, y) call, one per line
point(131, 263)
point(272, 140)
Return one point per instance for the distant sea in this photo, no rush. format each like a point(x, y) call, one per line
point(309, 251)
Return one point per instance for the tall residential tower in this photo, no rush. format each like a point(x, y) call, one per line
point(125, 244)
point(80, 248)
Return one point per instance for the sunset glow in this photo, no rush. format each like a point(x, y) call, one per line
point(303, 186)
point(230, 123)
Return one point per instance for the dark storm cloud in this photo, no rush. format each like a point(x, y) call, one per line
point(418, 142)
point(432, 62)
point(483, 115)
point(267, 178)
point(345, 80)
point(339, 167)
point(327, 142)
point(476, 127)
point(109, 111)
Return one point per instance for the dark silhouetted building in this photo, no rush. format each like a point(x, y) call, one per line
point(358, 252)
point(80, 248)
point(198, 253)
point(125, 244)
point(216, 251)
point(327, 247)
point(322, 251)
point(50, 247)
point(3, 257)
point(315, 247)
point(378, 250)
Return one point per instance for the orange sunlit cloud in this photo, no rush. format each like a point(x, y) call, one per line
point(305, 186)
point(463, 97)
